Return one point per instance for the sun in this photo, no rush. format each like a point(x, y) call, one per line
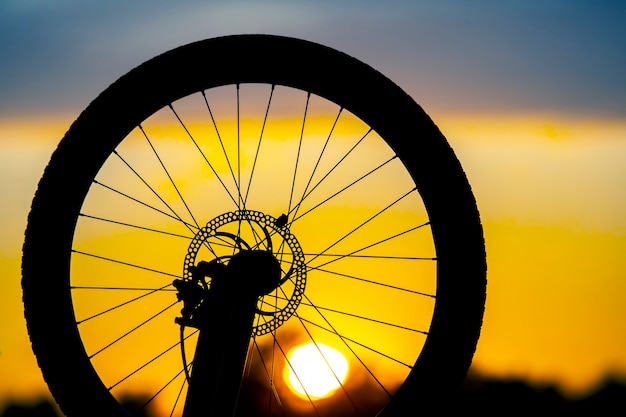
point(315, 370)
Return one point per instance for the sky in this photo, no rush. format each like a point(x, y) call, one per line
point(531, 96)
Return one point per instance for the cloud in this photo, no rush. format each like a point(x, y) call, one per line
point(451, 56)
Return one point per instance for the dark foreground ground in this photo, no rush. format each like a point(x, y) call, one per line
point(477, 395)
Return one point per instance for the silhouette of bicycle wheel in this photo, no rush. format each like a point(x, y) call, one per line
point(237, 197)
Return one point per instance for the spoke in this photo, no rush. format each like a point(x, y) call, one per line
point(319, 159)
point(277, 344)
point(122, 304)
point(333, 330)
point(134, 226)
point(258, 239)
point(205, 157)
point(219, 137)
point(178, 396)
point(238, 182)
point(330, 368)
point(375, 244)
point(373, 282)
point(295, 170)
point(84, 287)
point(360, 226)
point(290, 213)
point(330, 171)
point(344, 338)
point(318, 308)
point(274, 307)
point(150, 361)
point(332, 310)
point(142, 179)
point(143, 323)
point(256, 155)
point(165, 386)
point(189, 226)
point(352, 255)
point(282, 351)
point(169, 176)
point(346, 344)
point(270, 377)
point(309, 268)
point(125, 263)
point(344, 189)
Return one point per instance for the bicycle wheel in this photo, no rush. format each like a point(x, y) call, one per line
point(249, 144)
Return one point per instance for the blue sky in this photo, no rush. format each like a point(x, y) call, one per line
point(451, 56)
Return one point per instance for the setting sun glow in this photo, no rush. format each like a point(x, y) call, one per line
point(316, 370)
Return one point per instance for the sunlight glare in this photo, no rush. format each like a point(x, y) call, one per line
point(316, 370)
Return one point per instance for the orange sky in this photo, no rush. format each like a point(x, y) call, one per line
point(548, 189)
point(552, 194)
point(539, 128)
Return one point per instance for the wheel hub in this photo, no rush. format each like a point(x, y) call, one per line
point(250, 253)
point(257, 271)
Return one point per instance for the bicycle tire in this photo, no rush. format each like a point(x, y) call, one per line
point(441, 182)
